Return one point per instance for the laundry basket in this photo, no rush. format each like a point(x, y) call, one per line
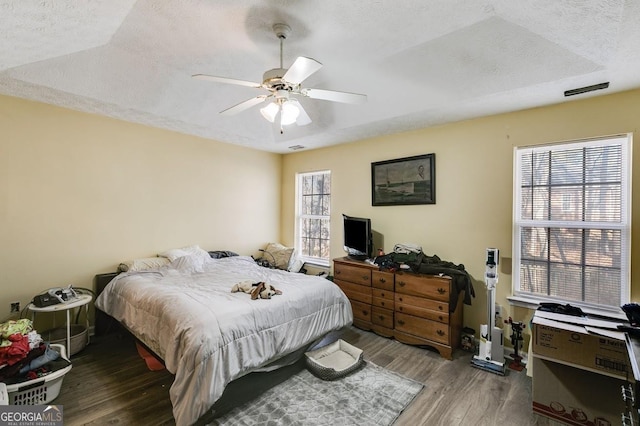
point(42, 390)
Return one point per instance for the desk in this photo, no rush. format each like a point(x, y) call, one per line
point(81, 300)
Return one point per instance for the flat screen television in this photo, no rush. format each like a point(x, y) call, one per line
point(358, 238)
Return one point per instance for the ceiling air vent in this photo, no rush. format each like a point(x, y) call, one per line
point(296, 147)
point(586, 89)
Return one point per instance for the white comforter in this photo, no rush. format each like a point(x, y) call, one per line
point(209, 336)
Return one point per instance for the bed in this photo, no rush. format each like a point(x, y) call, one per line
point(207, 335)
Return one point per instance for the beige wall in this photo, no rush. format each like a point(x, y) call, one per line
point(474, 173)
point(80, 193)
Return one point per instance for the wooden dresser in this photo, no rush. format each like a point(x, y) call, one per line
point(412, 308)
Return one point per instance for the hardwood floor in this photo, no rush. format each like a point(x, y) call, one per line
point(110, 384)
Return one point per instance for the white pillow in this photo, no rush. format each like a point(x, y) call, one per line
point(142, 264)
point(188, 264)
point(173, 254)
point(198, 253)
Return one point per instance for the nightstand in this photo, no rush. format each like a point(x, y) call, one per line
point(79, 302)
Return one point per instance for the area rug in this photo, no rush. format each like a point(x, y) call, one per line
point(370, 396)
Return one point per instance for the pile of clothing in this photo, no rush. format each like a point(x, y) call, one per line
point(411, 255)
point(24, 355)
point(406, 253)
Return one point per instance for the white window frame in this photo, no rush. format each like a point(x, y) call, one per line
point(300, 216)
point(532, 300)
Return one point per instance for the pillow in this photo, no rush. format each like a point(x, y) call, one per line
point(281, 255)
point(173, 254)
point(188, 264)
point(196, 251)
point(142, 264)
point(199, 253)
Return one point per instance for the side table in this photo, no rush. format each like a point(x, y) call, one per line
point(81, 300)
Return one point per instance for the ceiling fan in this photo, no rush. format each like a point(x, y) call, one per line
point(284, 85)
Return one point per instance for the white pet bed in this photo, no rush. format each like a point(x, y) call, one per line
point(335, 360)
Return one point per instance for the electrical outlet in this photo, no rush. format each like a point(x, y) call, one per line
point(15, 307)
point(499, 310)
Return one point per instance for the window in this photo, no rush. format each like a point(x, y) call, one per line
point(313, 199)
point(572, 223)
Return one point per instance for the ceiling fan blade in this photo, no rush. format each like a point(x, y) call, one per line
point(227, 80)
point(303, 118)
point(302, 68)
point(332, 95)
point(243, 105)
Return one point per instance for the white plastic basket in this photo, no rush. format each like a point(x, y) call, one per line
point(40, 391)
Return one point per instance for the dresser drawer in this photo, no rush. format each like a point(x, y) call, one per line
point(421, 327)
point(382, 294)
point(423, 308)
point(361, 311)
point(382, 303)
point(432, 287)
point(382, 280)
point(352, 274)
point(383, 317)
point(357, 292)
point(435, 306)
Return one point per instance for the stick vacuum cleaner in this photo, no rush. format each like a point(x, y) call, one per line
point(491, 352)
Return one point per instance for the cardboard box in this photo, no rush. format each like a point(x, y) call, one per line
point(581, 345)
point(575, 396)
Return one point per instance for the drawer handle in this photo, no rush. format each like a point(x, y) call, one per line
point(365, 312)
point(400, 299)
point(365, 278)
point(338, 272)
point(380, 317)
point(401, 283)
point(382, 280)
point(442, 290)
point(440, 317)
point(400, 322)
point(381, 294)
point(400, 308)
point(440, 333)
point(440, 307)
point(381, 303)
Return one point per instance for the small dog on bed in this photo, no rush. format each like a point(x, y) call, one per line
point(260, 289)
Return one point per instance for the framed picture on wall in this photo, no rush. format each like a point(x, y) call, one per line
point(404, 181)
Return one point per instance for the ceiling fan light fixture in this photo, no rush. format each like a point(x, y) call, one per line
point(282, 83)
point(290, 113)
point(270, 111)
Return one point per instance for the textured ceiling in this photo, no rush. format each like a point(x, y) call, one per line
point(420, 62)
